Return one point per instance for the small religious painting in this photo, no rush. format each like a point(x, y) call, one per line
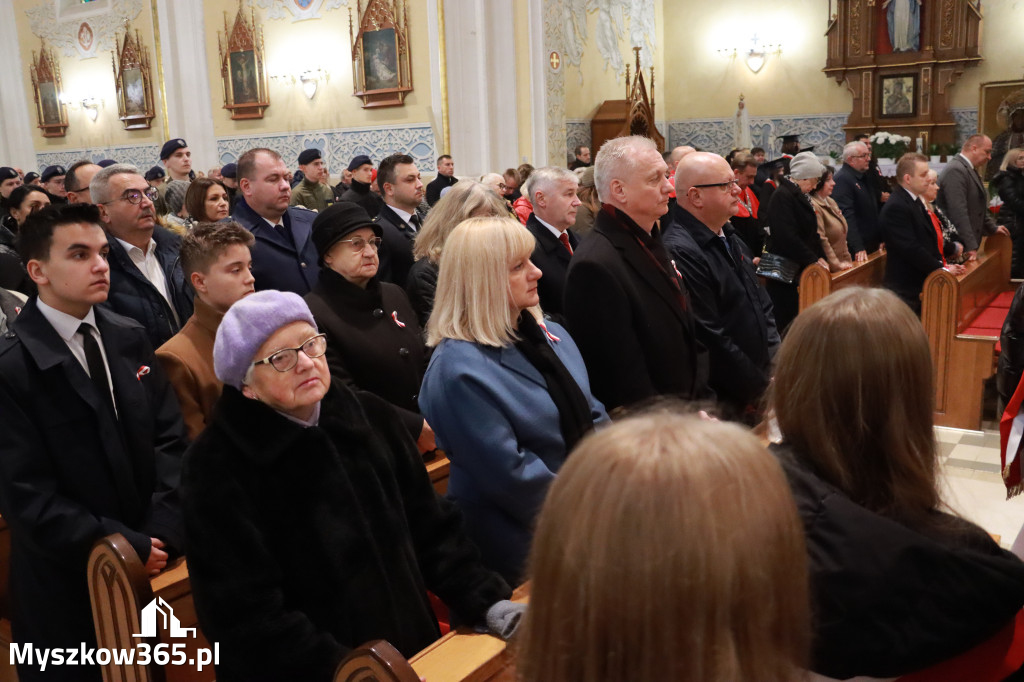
point(132, 76)
point(85, 36)
point(380, 60)
point(46, 88)
point(243, 77)
point(49, 103)
point(134, 92)
point(897, 96)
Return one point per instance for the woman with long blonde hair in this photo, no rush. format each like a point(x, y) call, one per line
point(898, 582)
point(507, 395)
point(669, 548)
point(465, 199)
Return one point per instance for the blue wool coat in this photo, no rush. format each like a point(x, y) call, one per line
point(278, 262)
point(492, 414)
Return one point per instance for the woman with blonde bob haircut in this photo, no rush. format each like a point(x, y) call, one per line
point(669, 548)
point(466, 199)
point(508, 395)
point(898, 583)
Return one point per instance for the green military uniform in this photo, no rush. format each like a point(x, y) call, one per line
point(315, 196)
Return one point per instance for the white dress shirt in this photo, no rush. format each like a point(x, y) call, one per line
point(406, 217)
point(150, 268)
point(551, 228)
point(67, 326)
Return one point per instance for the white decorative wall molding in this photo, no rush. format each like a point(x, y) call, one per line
point(15, 106)
point(966, 122)
point(144, 156)
point(824, 131)
point(611, 25)
point(298, 10)
point(539, 66)
point(340, 146)
point(554, 83)
point(85, 31)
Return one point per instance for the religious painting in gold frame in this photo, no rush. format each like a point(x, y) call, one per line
point(46, 86)
point(381, 70)
point(243, 66)
point(133, 81)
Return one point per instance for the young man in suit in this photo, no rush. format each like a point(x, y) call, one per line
point(962, 195)
point(400, 183)
point(626, 306)
point(552, 192)
point(911, 242)
point(93, 435)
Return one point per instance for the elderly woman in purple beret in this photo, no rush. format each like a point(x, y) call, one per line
point(312, 526)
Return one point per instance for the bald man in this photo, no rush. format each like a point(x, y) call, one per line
point(735, 321)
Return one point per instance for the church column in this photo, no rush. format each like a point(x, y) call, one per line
point(16, 107)
point(186, 91)
point(481, 85)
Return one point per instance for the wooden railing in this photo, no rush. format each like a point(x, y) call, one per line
point(816, 282)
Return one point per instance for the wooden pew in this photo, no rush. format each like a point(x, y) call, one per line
point(376, 661)
point(816, 282)
point(962, 317)
point(438, 469)
point(120, 588)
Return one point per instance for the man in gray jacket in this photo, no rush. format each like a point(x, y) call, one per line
point(962, 196)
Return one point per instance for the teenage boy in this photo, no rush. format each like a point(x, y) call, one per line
point(93, 435)
point(216, 259)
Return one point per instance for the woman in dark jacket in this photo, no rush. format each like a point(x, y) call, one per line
point(793, 232)
point(311, 524)
point(467, 199)
point(23, 201)
point(898, 582)
point(374, 343)
point(1009, 182)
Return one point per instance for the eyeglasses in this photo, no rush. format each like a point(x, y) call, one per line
point(134, 196)
point(286, 358)
point(861, 156)
point(728, 184)
point(357, 244)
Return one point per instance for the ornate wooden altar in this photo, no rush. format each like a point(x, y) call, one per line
point(631, 116)
point(900, 60)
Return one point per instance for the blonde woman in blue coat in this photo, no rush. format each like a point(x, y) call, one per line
point(507, 394)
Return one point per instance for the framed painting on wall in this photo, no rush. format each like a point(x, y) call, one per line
point(51, 112)
point(381, 72)
point(1001, 117)
point(132, 79)
point(243, 66)
point(897, 96)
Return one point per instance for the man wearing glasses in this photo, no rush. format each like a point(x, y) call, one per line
point(146, 280)
point(735, 319)
point(76, 182)
point(857, 201)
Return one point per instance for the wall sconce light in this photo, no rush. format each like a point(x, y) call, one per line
point(92, 108)
point(310, 79)
point(758, 53)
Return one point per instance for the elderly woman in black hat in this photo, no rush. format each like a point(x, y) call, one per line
point(375, 342)
point(312, 525)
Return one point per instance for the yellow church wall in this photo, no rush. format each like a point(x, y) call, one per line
point(294, 47)
point(83, 78)
point(524, 95)
point(1001, 46)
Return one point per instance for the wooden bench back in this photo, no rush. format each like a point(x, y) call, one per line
point(376, 661)
point(816, 282)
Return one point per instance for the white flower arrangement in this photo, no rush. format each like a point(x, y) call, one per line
point(888, 145)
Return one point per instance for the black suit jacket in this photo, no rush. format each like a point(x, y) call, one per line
point(553, 260)
point(277, 261)
point(636, 335)
point(859, 205)
point(396, 249)
point(70, 473)
point(735, 319)
point(911, 246)
point(436, 185)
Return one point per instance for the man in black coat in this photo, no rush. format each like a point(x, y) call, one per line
point(146, 280)
point(626, 306)
point(857, 201)
point(359, 191)
point(445, 178)
point(399, 181)
point(284, 257)
point(911, 243)
point(552, 192)
point(734, 314)
point(93, 437)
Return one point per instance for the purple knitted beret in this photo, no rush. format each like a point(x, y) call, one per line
point(247, 325)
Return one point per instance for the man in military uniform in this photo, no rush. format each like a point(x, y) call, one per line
point(177, 157)
point(311, 192)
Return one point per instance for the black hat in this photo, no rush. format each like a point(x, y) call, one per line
point(171, 146)
point(309, 156)
point(360, 160)
point(106, 163)
point(154, 173)
point(338, 220)
point(788, 138)
point(807, 149)
point(6, 173)
point(51, 172)
point(229, 170)
point(30, 177)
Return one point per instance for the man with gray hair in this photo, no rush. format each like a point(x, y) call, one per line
point(625, 303)
point(146, 280)
point(857, 201)
point(552, 192)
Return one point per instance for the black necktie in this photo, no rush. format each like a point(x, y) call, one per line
point(414, 220)
point(97, 368)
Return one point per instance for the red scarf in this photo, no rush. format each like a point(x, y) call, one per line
point(938, 233)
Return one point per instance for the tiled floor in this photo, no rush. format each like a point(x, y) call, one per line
point(972, 485)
